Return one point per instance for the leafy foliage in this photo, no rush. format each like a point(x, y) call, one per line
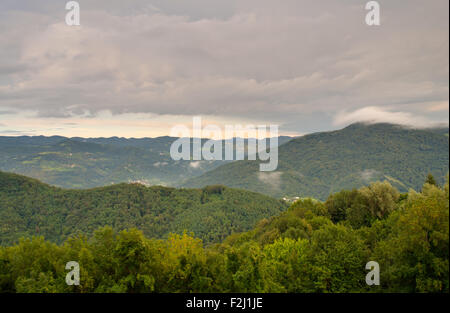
point(28, 207)
point(322, 163)
point(311, 247)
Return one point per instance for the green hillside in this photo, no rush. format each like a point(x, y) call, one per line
point(29, 207)
point(312, 247)
point(95, 162)
point(322, 163)
point(87, 163)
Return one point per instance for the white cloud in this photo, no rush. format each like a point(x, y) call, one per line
point(273, 179)
point(380, 115)
point(368, 174)
point(259, 60)
point(195, 164)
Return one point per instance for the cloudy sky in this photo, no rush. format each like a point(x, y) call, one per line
point(137, 68)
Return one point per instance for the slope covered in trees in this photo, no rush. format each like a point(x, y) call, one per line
point(322, 163)
point(312, 247)
point(29, 207)
point(96, 162)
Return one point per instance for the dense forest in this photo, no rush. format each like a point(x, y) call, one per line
point(319, 164)
point(313, 165)
point(313, 246)
point(96, 162)
point(29, 207)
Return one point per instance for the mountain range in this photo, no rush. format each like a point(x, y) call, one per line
point(95, 162)
point(318, 164)
point(313, 165)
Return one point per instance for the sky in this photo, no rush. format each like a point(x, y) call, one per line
point(137, 68)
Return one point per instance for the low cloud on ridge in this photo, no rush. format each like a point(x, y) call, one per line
point(380, 115)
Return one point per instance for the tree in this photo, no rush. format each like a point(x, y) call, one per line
point(134, 258)
point(430, 180)
point(338, 203)
point(337, 257)
point(415, 256)
point(285, 267)
point(381, 198)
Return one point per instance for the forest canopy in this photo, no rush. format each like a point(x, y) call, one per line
point(311, 247)
point(31, 208)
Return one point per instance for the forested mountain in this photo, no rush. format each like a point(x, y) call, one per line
point(87, 163)
point(95, 162)
point(29, 207)
point(134, 238)
point(311, 247)
point(322, 163)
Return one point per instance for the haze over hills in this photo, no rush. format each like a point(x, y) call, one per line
point(29, 207)
point(95, 162)
point(87, 163)
point(322, 163)
point(313, 165)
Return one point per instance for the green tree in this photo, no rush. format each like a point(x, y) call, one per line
point(415, 256)
point(430, 180)
point(381, 198)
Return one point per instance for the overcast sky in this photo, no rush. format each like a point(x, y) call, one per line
point(137, 68)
